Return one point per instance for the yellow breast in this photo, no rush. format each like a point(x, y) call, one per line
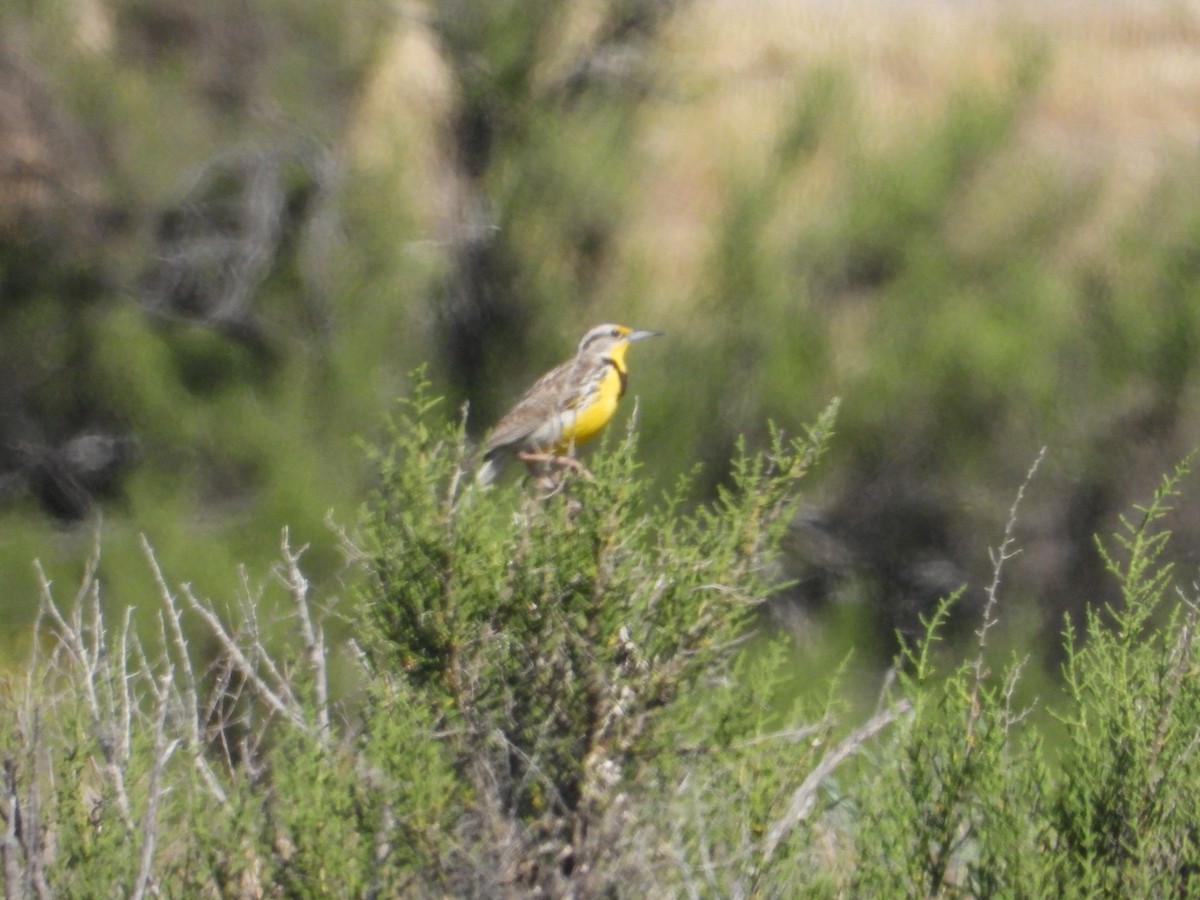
point(591, 418)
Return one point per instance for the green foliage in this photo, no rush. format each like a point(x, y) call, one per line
point(531, 675)
point(477, 210)
point(968, 801)
point(958, 804)
point(226, 441)
point(556, 688)
point(739, 749)
point(555, 634)
point(560, 693)
point(1126, 814)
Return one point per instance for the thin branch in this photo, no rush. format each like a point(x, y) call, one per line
point(189, 696)
point(805, 797)
point(66, 634)
point(250, 604)
point(1004, 553)
point(532, 769)
point(124, 677)
point(100, 670)
point(162, 752)
point(174, 622)
point(461, 465)
point(1000, 556)
point(34, 837)
point(71, 636)
point(29, 828)
point(313, 637)
point(221, 704)
point(10, 846)
point(791, 735)
point(288, 708)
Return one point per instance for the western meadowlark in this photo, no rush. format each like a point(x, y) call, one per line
point(567, 406)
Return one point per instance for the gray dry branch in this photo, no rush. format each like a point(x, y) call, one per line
point(140, 705)
point(188, 702)
point(1000, 556)
point(804, 799)
point(89, 666)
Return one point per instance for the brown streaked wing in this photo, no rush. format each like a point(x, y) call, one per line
point(540, 402)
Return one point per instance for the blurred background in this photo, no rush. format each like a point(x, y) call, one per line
point(230, 229)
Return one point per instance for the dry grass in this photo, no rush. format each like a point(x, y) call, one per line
point(1119, 102)
point(1123, 85)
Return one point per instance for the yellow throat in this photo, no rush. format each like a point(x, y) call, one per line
point(590, 420)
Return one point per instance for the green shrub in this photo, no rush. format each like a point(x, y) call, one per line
point(563, 694)
point(554, 636)
point(969, 801)
point(529, 675)
point(1125, 815)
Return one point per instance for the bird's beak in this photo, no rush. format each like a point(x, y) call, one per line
point(641, 335)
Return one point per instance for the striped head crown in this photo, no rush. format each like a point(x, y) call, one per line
point(603, 338)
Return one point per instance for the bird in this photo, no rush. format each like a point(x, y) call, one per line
point(566, 407)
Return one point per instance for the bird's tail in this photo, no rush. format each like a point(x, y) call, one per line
point(489, 471)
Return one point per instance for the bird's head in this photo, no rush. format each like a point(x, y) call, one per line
point(612, 340)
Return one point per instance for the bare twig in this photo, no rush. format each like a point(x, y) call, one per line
point(29, 831)
point(162, 752)
point(351, 552)
point(791, 735)
point(1000, 556)
point(217, 715)
point(287, 708)
point(264, 660)
point(461, 466)
point(21, 844)
point(85, 650)
point(23, 817)
point(189, 696)
point(805, 797)
point(10, 843)
point(124, 676)
point(313, 636)
point(885, 686)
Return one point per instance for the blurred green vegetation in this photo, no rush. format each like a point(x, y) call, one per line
point(269, 213)
point(234, 437)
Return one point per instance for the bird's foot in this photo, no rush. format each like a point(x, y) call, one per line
point(532, 459)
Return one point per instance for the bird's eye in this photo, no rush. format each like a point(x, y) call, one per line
point(615, 333)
